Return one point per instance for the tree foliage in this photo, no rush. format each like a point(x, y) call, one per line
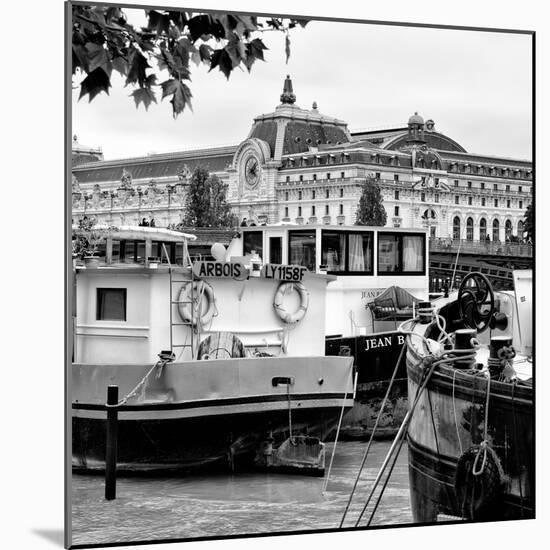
point(370, 210)
point(103, 41)
point(205, 204)
point(529, 223)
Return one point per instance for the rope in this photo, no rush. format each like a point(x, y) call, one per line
point(336, 439)
point(378, 417)
point(289, 413)
point(484, 444)
point(454, 413)
point(139, 385)
point(404, 425)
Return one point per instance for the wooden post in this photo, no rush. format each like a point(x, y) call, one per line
point(111, 443)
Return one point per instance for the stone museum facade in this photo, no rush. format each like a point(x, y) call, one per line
point(300, 166)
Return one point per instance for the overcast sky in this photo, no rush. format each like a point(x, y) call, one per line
point(475, 85)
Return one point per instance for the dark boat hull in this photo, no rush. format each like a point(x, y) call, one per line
point(181, 444)
point(375, 357)
point(447, 423)
point(210, 412)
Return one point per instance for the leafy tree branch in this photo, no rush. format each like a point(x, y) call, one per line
point(103, 41)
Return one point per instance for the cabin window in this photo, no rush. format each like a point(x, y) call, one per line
point(111, 304)
point(401, 253)
point(301, 248)
point(347, 252)
point(253, 240)
point(333, 251)
point(275, 250)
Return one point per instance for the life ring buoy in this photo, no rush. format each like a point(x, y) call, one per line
point(187, 311)
point(281, 311)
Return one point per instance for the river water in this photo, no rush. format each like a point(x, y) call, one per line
point(217, 505)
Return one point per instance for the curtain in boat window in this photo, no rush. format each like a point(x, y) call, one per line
point(333, 251)
point(413, 257)
point(360, 252)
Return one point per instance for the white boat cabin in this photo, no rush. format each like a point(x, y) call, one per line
point(128, 309)
point(365, 261)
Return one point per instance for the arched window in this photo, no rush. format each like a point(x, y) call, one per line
point(508, 230)
point(470, 229)
point(496, 229)
point(456, 228)
point(482, 229)
point(520, 229)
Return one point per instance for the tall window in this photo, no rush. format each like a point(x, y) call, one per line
point(520, 229)
point(436, 197)
point(457, 199)
point(288, 179)
point(313, 194)
point(520, 205)
point(313, 210)
point(341, 209)
point(482, 229)
point(299, 211)
point(482, 185)
point(301, 248)
point(470, 229)
point(496, 203)
point(456, 183)
point(341, 192)
point(507, 203)
point(483, 201)
point(496, 230)
point(469, 201)
point(495, 187)
point(286, 211)
point(111, 304)
point(342, 175)
point(396, 194)
point(401, 253)
point(456, 227)
point(508, 230)
point(286, 195)
point(396, 177)
point(314, 177)
point(423, 197)
point(507, 188)
point(301, 178)
point(396, 211)
point(327, 212)
point(327, 193)
point(328, 176)
point(469, 185)
point(520, 189)
point(299, 195)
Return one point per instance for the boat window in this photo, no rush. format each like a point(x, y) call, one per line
point(345, 252)
point(275, 250)
point(115, 251)
point(253, 240)
point(401, 253)
point(111, 304)
point(301, 248)
point(333, 251)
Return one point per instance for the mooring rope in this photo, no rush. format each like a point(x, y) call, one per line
point(137, 388)
point(336, 438)
point(378, 417)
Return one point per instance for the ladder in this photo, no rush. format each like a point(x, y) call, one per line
point(172, 271)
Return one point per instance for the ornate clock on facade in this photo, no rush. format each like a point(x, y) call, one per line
point(252, 171)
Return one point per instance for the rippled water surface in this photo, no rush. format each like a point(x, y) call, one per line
point(244, 503)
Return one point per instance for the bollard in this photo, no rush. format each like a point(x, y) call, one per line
point(463, 339)
point(111, 443)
